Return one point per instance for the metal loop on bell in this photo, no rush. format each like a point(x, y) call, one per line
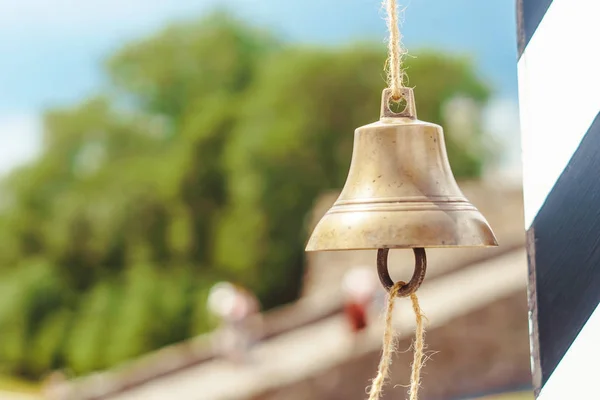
point(415, 281)
point(410, 111)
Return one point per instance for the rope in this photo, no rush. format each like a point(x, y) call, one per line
point(395, 50)
point(389, 346)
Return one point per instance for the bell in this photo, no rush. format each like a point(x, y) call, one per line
point(400, 191)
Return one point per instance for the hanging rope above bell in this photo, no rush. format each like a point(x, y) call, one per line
point(396, 51)
point(400, 194)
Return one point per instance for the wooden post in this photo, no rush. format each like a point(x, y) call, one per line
point(559, 95)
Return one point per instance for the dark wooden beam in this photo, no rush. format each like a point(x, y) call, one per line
point(564, 246)
point(529, 15)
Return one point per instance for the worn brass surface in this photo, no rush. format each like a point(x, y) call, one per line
point(400, 191)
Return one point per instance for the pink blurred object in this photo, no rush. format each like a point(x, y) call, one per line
point(239, 313)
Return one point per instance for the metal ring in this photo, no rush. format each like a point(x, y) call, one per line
point(415, 281)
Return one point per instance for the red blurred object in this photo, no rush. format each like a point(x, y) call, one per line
point(356, 313)
point(359, 287)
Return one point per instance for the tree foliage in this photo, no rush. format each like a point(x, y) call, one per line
point(202, 166)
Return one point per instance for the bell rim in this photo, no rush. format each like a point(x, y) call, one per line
point(408, 247)
point(311, 248)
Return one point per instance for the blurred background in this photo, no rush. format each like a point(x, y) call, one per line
point(163, 163)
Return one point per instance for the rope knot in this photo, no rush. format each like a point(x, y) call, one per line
point(396, 289)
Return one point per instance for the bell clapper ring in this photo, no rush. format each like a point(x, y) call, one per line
point(415, 281)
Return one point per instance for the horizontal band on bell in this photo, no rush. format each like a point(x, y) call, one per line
point(404, 199)
point(402, 206)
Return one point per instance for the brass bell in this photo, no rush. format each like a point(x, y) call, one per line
point(400, 193)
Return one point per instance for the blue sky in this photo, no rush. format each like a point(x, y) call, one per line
point(52, 50)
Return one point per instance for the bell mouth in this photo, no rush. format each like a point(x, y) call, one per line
point(316, 250)
point(366, 230)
